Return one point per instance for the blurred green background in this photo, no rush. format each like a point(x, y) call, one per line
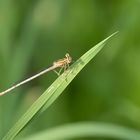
point(34, 33)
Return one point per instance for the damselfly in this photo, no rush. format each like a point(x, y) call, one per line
point(62, 63)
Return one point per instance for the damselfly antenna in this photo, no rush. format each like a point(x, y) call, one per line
point(62, 63)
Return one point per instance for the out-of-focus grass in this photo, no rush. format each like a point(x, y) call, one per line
point(34, 33)
point(86, 129)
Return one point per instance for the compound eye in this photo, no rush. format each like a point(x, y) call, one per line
point(67, 55)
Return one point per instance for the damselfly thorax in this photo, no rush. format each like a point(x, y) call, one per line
point(62, 62)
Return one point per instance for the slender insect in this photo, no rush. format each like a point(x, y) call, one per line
point(62, 63)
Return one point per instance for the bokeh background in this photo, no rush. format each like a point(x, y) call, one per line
point(34, 33)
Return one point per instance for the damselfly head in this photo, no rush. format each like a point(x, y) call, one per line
point(68, 57)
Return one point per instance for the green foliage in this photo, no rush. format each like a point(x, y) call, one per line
point(35, 33)
point(87, 129)
point(54, 90)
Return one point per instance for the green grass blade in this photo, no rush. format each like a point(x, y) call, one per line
point(75, 69)
point(54, 90)
point(86, 129)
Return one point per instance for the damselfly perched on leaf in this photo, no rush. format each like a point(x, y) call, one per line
point(62, 63)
